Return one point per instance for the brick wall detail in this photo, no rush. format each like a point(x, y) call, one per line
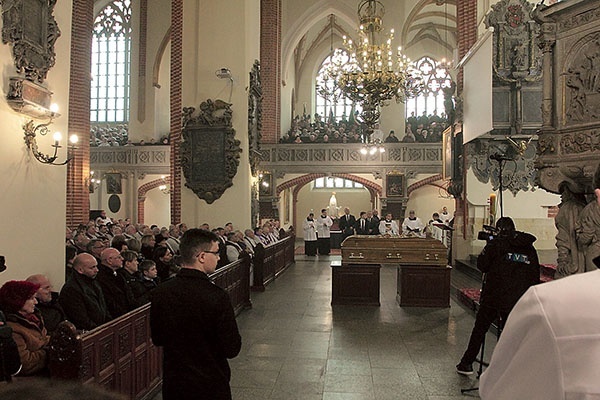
point(270, 65)
point(78, 170)
point(176, 107)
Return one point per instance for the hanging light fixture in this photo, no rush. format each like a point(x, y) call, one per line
point(376, 72)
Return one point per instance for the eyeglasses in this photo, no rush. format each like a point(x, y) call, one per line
point(216, 253)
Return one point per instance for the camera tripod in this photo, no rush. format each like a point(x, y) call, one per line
point(480, 361)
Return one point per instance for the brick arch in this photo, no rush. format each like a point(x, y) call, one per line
point(301, 181)
point(145, 188)
point(423, 182)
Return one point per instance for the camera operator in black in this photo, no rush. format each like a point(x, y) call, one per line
point(510, 264)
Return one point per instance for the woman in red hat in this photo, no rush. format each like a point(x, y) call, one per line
point(17, 300)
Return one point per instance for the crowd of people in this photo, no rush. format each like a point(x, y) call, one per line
point(426, 128)
point(118, 135)
point(317, 231)
point(112, 267)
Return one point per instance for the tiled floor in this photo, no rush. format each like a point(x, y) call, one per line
point(296, 346)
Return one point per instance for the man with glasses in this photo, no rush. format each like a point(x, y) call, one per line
point(95, 247)
point(195, 323)
point(118, 295)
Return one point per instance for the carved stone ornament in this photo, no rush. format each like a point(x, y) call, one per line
point(210, 154)
point(254, 117)
point(582, 81)
point(29, 26)
point(518, 172)
point(516, 51)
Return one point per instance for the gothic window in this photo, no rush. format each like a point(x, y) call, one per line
point(329, 99)
point(111, 51)
point(431, 100)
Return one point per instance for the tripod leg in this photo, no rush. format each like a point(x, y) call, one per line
point(479, 370)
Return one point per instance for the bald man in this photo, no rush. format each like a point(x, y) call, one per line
point(52, 312)
point(81, 297)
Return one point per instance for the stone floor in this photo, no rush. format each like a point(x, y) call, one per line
point(297, 346)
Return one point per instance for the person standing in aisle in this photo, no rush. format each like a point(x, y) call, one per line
point(324, 223)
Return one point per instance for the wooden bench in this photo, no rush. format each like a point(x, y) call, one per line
point(119, 355)
point(271, 260)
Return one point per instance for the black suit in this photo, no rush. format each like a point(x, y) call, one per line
point(374, 226)
point(362, 227)
point(347, 222)
point(194, 322)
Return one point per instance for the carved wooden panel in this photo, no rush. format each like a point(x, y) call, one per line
point(254, 117)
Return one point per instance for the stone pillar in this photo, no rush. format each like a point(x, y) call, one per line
point(547, 46)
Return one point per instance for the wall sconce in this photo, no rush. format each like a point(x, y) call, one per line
point(93, 183)
point(164, 187)
point(31, 130)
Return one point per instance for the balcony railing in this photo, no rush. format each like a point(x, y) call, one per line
point(288, 158)
point(148, 159)
point(345, 157)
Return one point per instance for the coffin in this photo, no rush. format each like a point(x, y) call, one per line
point(368, 249)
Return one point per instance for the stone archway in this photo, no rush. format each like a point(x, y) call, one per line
point(301, 181)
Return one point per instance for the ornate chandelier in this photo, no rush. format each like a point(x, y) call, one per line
point(375, 73)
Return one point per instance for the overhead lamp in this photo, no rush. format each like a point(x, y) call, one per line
point(375, 73)
point(93, 182)
point(164, 187)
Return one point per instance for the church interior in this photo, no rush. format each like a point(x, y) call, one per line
point(209, 112)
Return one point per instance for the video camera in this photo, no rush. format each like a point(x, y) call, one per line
point(488, 233)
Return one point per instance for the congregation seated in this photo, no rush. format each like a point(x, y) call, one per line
point(165, 265)
point(117, 294)
point(149, 274)
point(47, 302)
point(18, 301)
point(133, 278)
point(81, 297)
point(148, 242)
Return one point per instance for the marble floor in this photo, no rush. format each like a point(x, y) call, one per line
point(297, 346)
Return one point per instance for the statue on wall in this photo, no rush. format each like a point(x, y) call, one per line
point(588, 228)
point(570, 253)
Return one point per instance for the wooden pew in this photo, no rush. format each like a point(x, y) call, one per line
point(119, 355)
point(271, 260)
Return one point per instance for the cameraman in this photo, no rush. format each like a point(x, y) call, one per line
point(510, 264)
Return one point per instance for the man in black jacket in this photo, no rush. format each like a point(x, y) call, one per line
point(510, 264)
point(81, 297)
point(117, 294)
point(347, 222)
point(195, 323)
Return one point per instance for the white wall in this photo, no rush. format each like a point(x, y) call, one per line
point(33, 202)
point(227, 36)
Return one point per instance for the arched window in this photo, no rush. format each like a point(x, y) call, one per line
point(431, 100)
point(111, 49)
point(329, 98)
